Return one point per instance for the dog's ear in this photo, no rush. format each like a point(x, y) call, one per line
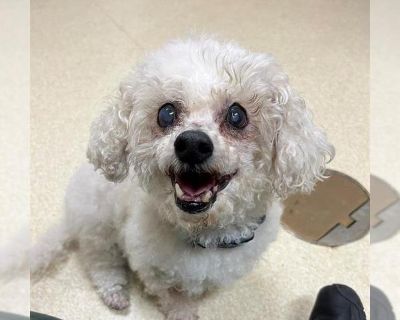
point(107, 149)
point(300, 148)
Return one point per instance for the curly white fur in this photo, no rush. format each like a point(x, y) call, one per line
point(137, 221)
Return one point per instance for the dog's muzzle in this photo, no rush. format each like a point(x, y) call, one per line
point(195, 189)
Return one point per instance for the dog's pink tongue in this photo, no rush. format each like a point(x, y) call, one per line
point(194, 188)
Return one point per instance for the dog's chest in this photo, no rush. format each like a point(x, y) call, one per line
point(193, 269)
point(156, 251)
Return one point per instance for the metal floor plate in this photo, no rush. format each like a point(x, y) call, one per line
point(385, 210)
point(335, 213)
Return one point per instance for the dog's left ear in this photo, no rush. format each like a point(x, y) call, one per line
point(300, 148)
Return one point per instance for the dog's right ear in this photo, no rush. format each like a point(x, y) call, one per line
point(107, 149)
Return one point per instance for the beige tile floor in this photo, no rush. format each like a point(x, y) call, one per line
point(14, 145)
point(385, 135)
point(80, 49)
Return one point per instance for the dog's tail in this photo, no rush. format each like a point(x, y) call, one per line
point(17, 258)
point(14, 257)
point(51, 248)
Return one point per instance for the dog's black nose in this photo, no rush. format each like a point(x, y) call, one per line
point(193, 147)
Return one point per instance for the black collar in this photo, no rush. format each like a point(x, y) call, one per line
point(232, 244)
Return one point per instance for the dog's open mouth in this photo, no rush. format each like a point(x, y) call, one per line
point(197, 191)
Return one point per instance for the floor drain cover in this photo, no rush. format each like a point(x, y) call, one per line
point(385, 210)
point(335, 213)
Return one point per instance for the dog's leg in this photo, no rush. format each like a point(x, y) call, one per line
point(106, 267)
point(173, 303)
point(177, 306)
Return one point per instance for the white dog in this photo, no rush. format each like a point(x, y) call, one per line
point(194, 154)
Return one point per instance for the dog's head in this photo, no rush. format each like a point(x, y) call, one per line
point(209, 127)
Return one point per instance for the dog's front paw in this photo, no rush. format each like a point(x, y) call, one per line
point(116, 298)
point(181, 315)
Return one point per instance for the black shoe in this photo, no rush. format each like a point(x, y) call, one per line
point(337, 302)
point(11, 316)
point(381, 309)
point(40, 316)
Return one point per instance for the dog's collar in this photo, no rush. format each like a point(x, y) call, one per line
point(223, 244)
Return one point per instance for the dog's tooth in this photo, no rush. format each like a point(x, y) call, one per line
point(215, 189)
point(179, 192)
point(207, 196)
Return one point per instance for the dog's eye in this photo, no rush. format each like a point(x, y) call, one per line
point(166, 115)
point(237, 116)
